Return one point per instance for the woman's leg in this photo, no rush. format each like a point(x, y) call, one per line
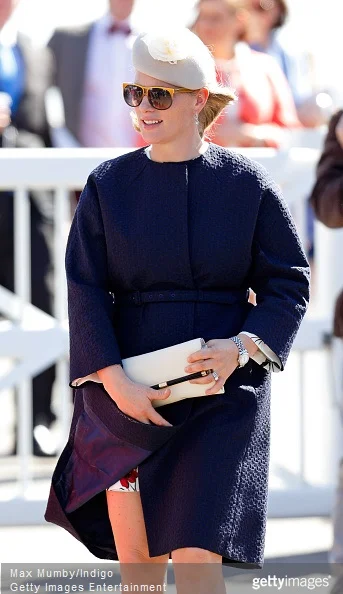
point(198, 571)
point(127, 521)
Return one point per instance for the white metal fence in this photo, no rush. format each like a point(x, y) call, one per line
point(306, 429)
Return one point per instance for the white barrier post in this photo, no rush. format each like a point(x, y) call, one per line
point(22, 287)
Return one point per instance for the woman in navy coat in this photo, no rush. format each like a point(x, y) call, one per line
point(164, 245)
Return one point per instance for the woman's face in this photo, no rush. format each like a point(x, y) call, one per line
point(171, 124)
point(121, 9)
point(263, 15)
point(217, 22)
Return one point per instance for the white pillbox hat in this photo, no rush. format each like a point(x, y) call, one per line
point(176, 56)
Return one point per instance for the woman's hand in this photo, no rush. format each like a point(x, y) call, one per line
point(232, 132)
point(132, 398)
point(5, 118)
point(221, 356)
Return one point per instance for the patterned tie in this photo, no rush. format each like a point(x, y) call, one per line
point(119, 27)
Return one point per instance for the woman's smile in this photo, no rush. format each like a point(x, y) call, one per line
point(151, 124)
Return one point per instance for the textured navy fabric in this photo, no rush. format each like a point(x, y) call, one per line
point(216, 222)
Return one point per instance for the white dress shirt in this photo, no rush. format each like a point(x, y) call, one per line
point(105, 117)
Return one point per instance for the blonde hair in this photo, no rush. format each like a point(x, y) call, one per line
point(216, 102)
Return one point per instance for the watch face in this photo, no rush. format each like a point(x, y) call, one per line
point(243, 359)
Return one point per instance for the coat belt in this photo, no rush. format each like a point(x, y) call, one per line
point(209, 295)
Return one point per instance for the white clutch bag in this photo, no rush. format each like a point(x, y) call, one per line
point(166, 367)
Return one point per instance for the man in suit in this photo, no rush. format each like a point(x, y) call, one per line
point(90, 65)
point(25, 75)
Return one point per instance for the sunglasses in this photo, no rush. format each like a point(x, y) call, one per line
point(158, 97)
point(263, 7)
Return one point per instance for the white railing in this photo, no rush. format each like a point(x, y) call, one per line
point(303, 467)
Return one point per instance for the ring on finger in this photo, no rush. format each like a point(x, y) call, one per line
point(215, 375)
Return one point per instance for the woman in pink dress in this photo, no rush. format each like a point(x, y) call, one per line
point(265, 107)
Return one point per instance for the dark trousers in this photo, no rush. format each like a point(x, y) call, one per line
point(41, 280)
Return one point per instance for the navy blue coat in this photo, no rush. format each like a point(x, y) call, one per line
point(217, 222)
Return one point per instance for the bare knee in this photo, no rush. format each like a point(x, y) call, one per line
point(134, 555)
point(140, 555)
point(128, 526)
point(195, 555)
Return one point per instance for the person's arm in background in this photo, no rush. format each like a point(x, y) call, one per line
point(327, 194)
point(300, 76)
point(285, 114)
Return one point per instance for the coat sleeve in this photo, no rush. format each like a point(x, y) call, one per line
point(264, 355)
point(327, 194)
point(93, 344)
point(279, 276)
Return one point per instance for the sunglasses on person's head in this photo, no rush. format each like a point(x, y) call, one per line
point(158, 97)
point(263, 6)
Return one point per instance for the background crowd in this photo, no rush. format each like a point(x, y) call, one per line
point(86, 64)
point(278, 94)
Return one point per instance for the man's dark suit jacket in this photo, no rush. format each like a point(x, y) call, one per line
point(31, 118)
point(31, 127)
point(70, 49)
point(31, 130)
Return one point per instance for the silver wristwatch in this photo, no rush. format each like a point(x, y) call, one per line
point(243, 355)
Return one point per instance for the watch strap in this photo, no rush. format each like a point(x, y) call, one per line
point(241, 348)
